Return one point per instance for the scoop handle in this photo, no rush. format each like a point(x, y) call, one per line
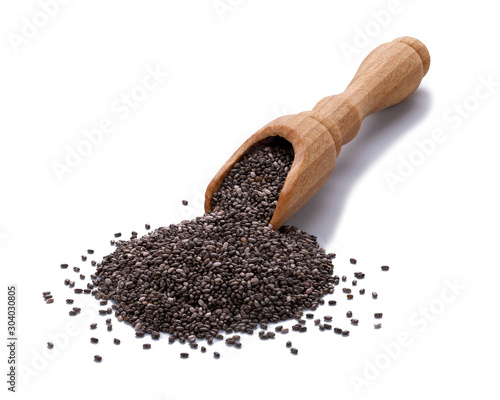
point(387, 76)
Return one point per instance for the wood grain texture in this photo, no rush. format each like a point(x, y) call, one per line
point(387, 76)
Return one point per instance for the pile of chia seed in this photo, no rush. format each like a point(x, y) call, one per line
point(225, 271)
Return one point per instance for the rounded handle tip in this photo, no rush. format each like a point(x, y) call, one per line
point(420, 48)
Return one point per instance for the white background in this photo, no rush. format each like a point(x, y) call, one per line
point(230, 71)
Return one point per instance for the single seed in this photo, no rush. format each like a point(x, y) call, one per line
point(337, 330)
point(82, 276)
point(346, 290)
point(69, 301)
point(146, 346)
point(184, 202)
point(327, 326)
point(345, 333)
point(317, 321)
point(378, 315)
point(332, 302)
point(348, 314)
point(385, 268)
point(97, 358)
point(108, 321)
point(147, 226)
point(278, 328)
point(94, 340)
point(116, 341)
point(216, 354)
point(353, 261)
point(76, 269)
point(361, 291)
point(354, 282)
point(110, 327)
point(374, 295)
point(285, 331)
point(310, 316)
point(377, 326)
point(288, 344)
point(354, 321)
point(93, 325)
point(84, 258)
point(50, 345)
point(350, 297)
point(294, 351)
point(64, 266)
point(344, 278)
point(328, 317)
point(50, 301)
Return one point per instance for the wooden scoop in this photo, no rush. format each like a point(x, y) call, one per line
point(390, 74)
